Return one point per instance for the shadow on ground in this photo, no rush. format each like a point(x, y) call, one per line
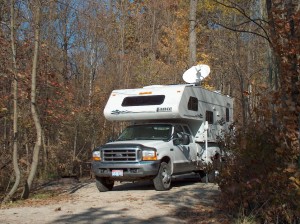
point(192, 205)
point(100, 215)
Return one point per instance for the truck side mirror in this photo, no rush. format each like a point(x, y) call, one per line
point(183, 140)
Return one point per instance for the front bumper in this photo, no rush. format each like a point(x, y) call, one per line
point(131, 171)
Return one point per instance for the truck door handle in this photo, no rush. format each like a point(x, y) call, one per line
point(171, 149)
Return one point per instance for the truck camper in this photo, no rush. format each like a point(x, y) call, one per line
point(174, 130)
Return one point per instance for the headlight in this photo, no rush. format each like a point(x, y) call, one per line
point(149, 154)
point(96, 156)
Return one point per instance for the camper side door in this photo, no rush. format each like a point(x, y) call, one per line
point(210, 118)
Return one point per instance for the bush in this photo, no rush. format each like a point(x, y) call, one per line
point(260, 178)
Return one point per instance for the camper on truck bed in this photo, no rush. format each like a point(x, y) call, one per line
point(170, 124)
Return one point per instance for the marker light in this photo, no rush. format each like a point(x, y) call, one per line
point(145, 93)
point(96, 156)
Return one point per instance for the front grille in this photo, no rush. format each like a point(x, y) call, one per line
point(121, 155)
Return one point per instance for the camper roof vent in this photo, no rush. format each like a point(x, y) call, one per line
point(196, 73)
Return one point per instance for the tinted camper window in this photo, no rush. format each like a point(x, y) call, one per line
point(210, 117)
point(193, 104)
point(227, 114)
point(143, 100)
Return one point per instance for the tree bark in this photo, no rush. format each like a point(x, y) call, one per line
point(193, 34)
point(45, 154)
point(34, 111)
point(15, 116)
point(122, 41)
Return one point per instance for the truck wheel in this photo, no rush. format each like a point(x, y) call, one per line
point(104, 184)
point(162, 181)
point(211, 177)
point(201, 174)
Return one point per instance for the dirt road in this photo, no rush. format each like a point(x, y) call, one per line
point(188, 200)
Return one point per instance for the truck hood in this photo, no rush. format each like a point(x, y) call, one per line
point(148, 143)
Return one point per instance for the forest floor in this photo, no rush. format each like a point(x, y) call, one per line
point(79, 202)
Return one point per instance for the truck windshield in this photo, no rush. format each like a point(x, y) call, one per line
point(147, 132)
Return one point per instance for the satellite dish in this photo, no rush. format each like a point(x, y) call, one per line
point(196, 73)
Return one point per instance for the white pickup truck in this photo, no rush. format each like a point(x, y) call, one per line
point(167, 135)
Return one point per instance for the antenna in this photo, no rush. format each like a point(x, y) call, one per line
point(196, 73)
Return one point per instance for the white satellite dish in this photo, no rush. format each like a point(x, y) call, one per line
point(196, 73)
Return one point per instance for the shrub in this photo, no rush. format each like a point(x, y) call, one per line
point(260, 178)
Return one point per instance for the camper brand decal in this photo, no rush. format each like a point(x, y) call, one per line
point(118, 112)
point(164, 109)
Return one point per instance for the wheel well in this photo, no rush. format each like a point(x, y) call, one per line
point(168, 161)
point(165, 159)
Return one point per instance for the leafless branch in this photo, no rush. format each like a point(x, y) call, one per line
point(244, 31)
point(5, 24)
point(242, 12)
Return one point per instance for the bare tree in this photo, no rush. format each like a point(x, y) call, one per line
point(15, 116)
point(34, 112)
point(193, 34)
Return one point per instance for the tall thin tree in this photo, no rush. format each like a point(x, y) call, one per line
point(34, 112)
point(193, 34)
point(15, 107)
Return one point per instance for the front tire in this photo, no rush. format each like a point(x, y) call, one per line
point(162, 181)
point(104, 184)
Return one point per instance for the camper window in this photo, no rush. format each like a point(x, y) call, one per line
point(227, 114)
point(193, 104)
point(143, 100)
point(210, 117)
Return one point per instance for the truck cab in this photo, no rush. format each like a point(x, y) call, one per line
point(146, 151)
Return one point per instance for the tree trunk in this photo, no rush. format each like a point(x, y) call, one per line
point(45, 154)
point(122, 42)
point(193, 34)
point(75, 141)
point(34, 111)
point(15, 116)
point(65, 42)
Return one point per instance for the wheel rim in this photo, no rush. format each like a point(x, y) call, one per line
point(166, 177)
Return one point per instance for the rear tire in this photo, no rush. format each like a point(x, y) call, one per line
point(211, 177)
point(162, 182)
point(104, 184)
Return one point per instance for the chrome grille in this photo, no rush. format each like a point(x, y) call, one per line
point(121, 155)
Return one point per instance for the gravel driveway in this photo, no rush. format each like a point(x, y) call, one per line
point(126, 203)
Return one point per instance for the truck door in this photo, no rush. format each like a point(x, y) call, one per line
point(193, 146)
point(182, 153)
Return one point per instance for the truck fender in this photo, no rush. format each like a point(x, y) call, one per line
point(167, 159)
